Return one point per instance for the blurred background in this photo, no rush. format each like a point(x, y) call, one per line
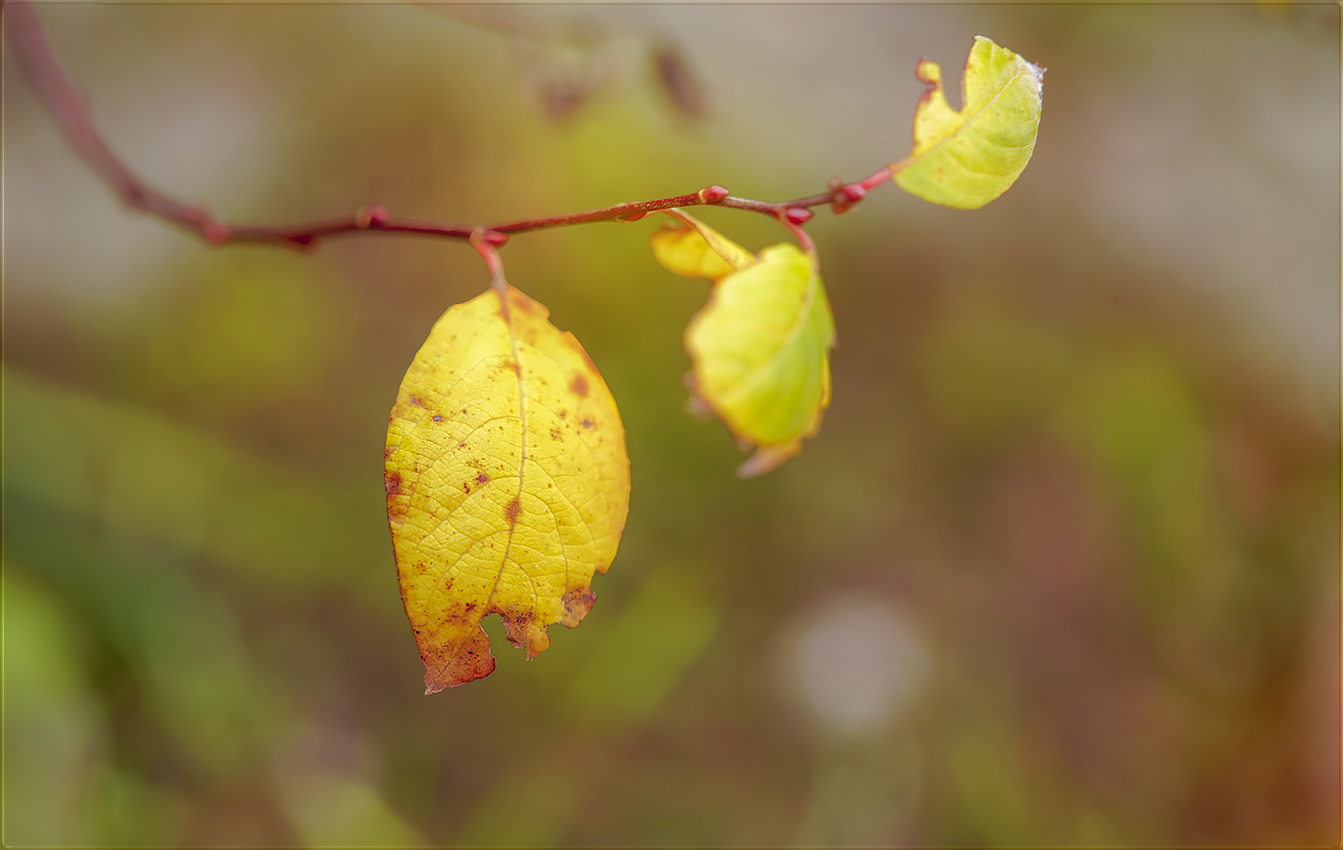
point(1061, 567)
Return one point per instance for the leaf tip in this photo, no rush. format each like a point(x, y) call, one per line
point(456, 662)
point(767, 459)
point(929, 72)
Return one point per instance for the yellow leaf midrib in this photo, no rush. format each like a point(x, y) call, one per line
point(522, 462)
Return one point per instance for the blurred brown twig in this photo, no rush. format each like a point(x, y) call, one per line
point(59, 95)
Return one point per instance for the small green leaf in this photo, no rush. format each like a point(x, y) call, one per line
point(760, 353)
point(966, 159)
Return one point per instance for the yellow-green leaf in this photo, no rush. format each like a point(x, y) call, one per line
point(966, 159)
point(507, 483)
point(693, 249)
point(760, 353)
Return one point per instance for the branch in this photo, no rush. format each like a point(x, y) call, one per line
point(56, 92)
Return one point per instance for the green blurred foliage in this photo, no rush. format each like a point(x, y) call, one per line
point(1083, 444)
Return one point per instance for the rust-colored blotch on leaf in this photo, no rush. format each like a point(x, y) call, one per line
point(492, 399)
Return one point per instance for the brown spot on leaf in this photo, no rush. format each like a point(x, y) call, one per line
point(415, 401)
point(579, 386)
point(554, 433)
point(447, 665)
point(420, 567)
point(513, 510)
point(564, 414)
point(447, 583)
point(482, 478)
point(522, 631)
point(466, 485)
point(586, 423)
point(438, 418)
point(577, 603)
point(396, 506)
point(518, 301)
point(515, 627)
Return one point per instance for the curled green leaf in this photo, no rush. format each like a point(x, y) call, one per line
point(966, 159)
point(760, 348)
point(760, 354)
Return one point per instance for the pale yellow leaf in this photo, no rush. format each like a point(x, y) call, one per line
point(966, 158)
point(693, 249)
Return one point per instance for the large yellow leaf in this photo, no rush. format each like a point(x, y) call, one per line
point(966, 159)
point(760, 354)
point(507, 483)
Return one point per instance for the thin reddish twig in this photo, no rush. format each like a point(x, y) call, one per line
point(59, 95)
